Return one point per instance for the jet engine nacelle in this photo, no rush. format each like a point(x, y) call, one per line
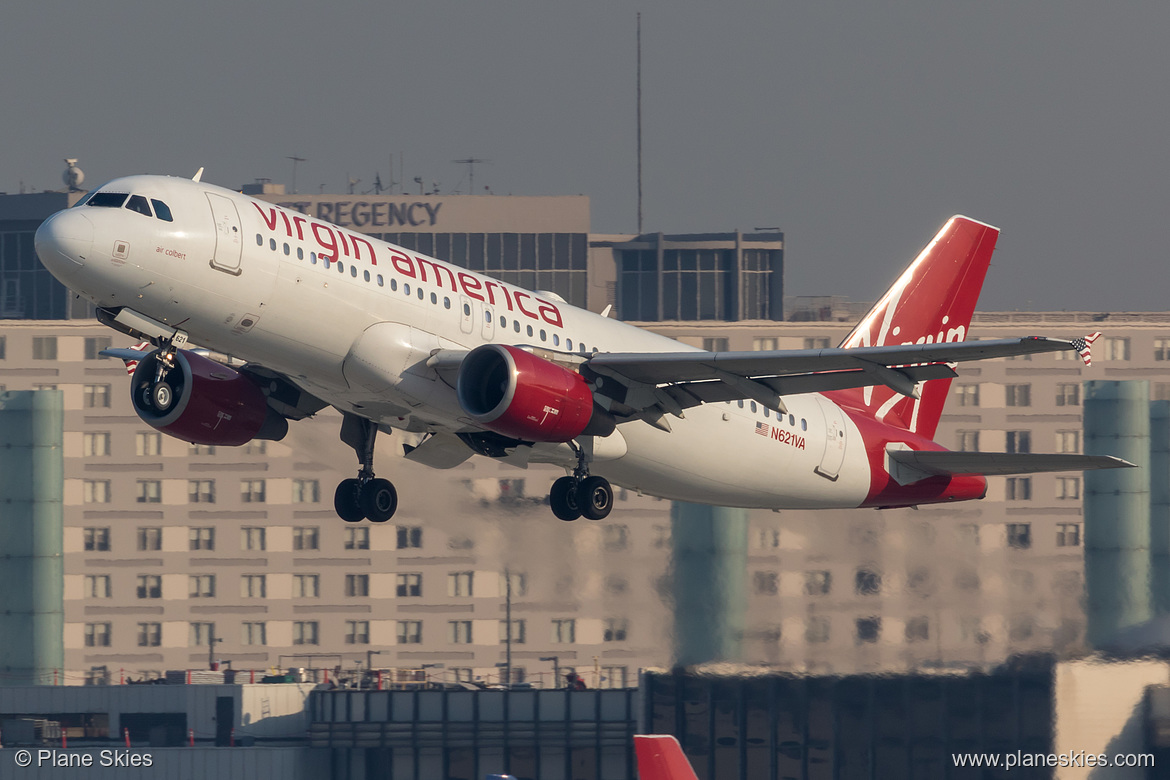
point(520, 395)
point(203, 402)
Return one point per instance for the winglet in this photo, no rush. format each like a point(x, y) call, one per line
point(1084, 347)
point(198, 174)
point(660, 757)
point(127, 356)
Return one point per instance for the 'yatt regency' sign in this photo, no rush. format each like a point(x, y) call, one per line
point(447, 214)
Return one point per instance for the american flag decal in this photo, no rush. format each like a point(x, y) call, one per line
point(763, 429)
point(1084, 347)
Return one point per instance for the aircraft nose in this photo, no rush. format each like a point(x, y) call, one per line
point(67, 234)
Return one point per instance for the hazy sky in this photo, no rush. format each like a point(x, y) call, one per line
point(855, 128)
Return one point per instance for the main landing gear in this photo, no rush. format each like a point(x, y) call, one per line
point(580, 494)
point(364, 497)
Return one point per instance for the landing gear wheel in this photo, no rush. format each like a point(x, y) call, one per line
point(595, 497)
point(347, 501)
point(563, 499)
point(162, 396)
point(378, 500)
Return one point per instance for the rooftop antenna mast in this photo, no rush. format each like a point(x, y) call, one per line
point(470, 162)
point(295, 160)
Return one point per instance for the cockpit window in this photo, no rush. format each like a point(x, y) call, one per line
point(139, 204)
point(161, 210)
point(84, 199)
point(109, 200)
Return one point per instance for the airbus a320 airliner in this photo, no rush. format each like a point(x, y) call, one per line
point(314, 315)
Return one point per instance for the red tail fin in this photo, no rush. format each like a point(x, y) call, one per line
point(931, 302)
point(660, 757)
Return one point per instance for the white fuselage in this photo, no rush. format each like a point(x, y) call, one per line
point(352, 320)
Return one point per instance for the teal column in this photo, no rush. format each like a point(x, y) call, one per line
point(32, 576)
point(1117, 509)
point(709, 562)
point(1159, 479)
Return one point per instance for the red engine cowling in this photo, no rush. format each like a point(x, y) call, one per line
point(518, 394)
point(203, 402)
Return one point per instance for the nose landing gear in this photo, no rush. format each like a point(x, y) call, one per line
point(365, 497)
point(581, 494)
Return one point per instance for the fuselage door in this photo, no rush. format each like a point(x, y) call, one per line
point(835, 435)
point(467, 313)
point(228, 240)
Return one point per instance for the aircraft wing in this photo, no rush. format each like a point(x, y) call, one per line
point(912, 465)
point(673, 381)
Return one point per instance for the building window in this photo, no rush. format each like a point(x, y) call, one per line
point(766, 539)
point(44, 347)
point(1019, 489)
point(409, 537)
point(715, 344)
point(1019, 441)
point(200, 634)
point(252, 491)
point(765, 583)
point(459, 632)
point(306, 538)
point(97, 539)
point(1019, 536)
point(517, 582)
point(201, 538)
point(818, 583)
point(968, 441)
point(614, 676)
point(460, 583)
point(149, 491)
point(306, 586)
point(1068, 394)
point(1161, 349)
point(1018, 395)
point(148, 444)
point(817, 343)
point(616, 629)
point(357, 585)
point(201, 586)
point(305, 632)
point(96, 491)
point(409, 632)
point(254, 633)
point(201, 491)
point(94, 345)
point(564, 631)
point(357, 538)
point(867, 582)
point(661, 536)
point(409, 585)
point(254, 538)
point(967, 395)
point(149, 586)
point(357, 632)
point(97, 586)
point(918, 629)
point(816, 629)
point(96, 396)
point(1021, 627)
point(765, 344)
point(869, 629)
point(97, 634)
point(95, 444)
point(615, 537)
point(149, 634)
point(969, 534)
point(1068, 534)
point(149, 539)
point(1068, 488)
point(200, 449)
point(253, 586)
point(1068, 441)
point(256, 447)
point(519, 632)
point(306, 491)
point(1115, 348)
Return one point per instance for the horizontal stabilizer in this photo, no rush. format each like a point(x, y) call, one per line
point(910, 465)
